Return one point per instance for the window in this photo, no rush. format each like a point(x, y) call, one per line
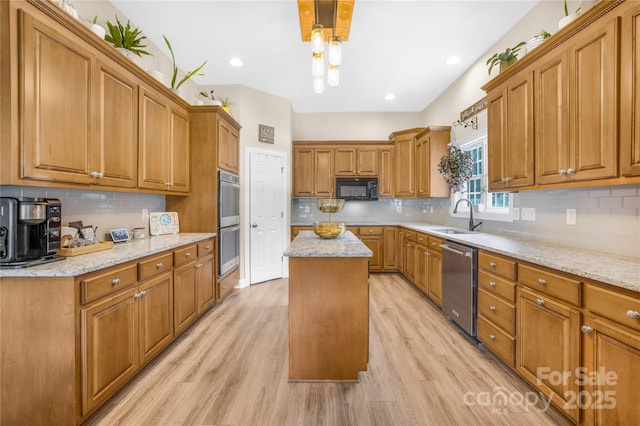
point(489, 206)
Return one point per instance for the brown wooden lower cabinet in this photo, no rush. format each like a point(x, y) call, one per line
point(228, 283)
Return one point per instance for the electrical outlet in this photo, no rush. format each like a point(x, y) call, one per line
point(306, 209)
point(528, 214)
point(431, 209)
point(516, 213)
point(145, 214)
point(571, 216)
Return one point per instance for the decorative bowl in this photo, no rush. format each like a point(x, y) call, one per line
point(329, 229)
point(329, 205)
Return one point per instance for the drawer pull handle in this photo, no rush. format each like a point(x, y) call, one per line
point(187, 255)
point(540, 302)
point(492, 264)
point(492, 283)
point(159, 265)
point(586, 329)
point(633, 314)
point(541, 281)
point(199, 265)
point(370, 231)
point(492, 308)
point(492, 336)
point(115, 281)
point(207, 247)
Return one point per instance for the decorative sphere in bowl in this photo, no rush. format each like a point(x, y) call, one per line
point(329, 205)
point(329, 229)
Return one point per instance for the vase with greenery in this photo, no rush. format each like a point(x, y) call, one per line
point(456, 167)
point(174, 74)
point(568, 17)
point(506, 58)
point(126, 39)
point(537, 40)
point(97, 28)
point(226, 103)
point(208, 98)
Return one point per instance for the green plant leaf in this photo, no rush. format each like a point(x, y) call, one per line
point(191, 74)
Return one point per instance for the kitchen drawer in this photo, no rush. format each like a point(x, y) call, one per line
point(562, 287)
point(613, 305)
point(154, 265)
point(205, 248)
point(228, 283)
point(497, 341)
point(184, 255)
point(410, 235)
point(496, 285)
point(370, 230)
point(422, 239)
point(495, 309)
point(499, 265)
point(102, 283)
point(434, 244)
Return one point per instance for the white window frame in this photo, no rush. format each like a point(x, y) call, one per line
point(480, 212)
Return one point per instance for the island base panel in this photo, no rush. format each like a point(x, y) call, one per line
point(328, 318)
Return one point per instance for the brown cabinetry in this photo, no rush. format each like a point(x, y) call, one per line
point(409, 255)
point(431, 145)
point(576, 129)
point(405, 166)
point(362, 161)
point(228, 146)
point(510, 133)
point(435, 270)
point(313, 172)
point(386, 172)
point(372, 237)
point(630, 93)
point(548, 336)
point(164, 144)
point(390, 258)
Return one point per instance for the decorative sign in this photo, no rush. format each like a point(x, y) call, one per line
point(474, 109)
point(266, 134)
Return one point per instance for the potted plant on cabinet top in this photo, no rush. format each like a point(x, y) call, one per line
point(537, 40)
point(174, 75)
point(568, 17)
point(125, 39)
point(208, 98)
point(505, 59)
point(226, 103)
point(97, 29)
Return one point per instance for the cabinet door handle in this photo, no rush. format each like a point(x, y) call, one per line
point(562, 172)
point(492, 308)
point(199, 265)
point(159, 265)
point(115, 281)
point(540, 302)
point(492, 264)
point(541, 281)
point(207, 247)
point(633, 314)
point(586, 329)
point(97, 175)
point(492, 283)
point(492, 337)
point(571, 171)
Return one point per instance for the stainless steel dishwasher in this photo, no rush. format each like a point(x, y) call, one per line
point(459, 284)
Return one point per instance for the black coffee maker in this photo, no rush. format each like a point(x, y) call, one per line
point(29, 230)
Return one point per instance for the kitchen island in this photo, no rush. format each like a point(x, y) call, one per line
point(328, 308)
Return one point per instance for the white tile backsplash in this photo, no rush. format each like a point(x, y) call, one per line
point(607, 218)
point(104, 209)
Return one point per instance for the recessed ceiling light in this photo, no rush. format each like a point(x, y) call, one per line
point(236, 62)
point(452, 60)
point(389, 97)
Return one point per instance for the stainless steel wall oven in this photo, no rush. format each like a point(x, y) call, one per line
point(228, 222)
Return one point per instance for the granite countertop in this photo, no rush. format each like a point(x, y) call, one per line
point(308, 244)
point(120, 253)
point(619, 271)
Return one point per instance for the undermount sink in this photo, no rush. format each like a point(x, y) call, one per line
point(452, 231)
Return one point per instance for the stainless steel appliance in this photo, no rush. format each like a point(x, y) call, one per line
point(30, 231)
point(228, 222)
point(365, 189)
point(459, 285)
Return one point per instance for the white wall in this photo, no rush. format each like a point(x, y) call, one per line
point(352, 126)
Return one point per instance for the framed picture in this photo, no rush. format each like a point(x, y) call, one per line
point(119, 235)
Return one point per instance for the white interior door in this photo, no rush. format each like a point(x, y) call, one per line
point(266, 213)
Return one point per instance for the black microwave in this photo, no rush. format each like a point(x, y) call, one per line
point(365, 189)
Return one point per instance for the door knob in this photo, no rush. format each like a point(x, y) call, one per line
point(254, 225)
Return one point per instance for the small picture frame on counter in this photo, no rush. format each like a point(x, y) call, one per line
point(119, 235)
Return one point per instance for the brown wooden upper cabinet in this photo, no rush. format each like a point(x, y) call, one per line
point(356, 161)
point(313, 171)
point(431, 145)
point(630, 94)
point(405, 166)
point(228, 147)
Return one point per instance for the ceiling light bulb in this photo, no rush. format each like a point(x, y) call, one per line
point(452, 60)
point(317, 65)
point(389, 97)
point(335, 50)
point(318, 84)
point(333, 76)
point(317, 38)
point(236, 62)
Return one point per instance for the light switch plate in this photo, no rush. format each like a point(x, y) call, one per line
point(516, 213)
point(528, 214)
point(571, 216)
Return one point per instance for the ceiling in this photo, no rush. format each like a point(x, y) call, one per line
point(395, 46)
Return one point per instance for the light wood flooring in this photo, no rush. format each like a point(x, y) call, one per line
point(230, 368)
